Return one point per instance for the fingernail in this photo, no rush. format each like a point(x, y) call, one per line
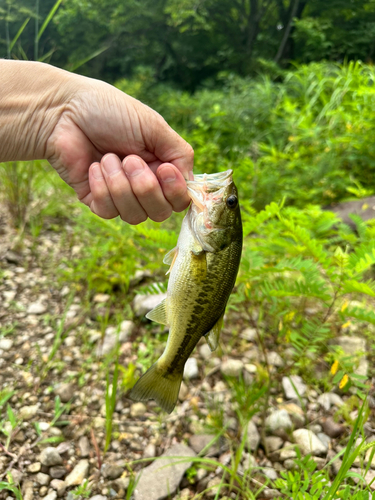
point(111, 165)
point(96, 172)
point(167, 174)
point(133, 166)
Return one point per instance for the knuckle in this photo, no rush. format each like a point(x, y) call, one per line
point(133, 220)
point(189, 152)
point(148, 187)
point(161, 216)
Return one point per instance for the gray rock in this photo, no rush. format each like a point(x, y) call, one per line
point(273, 443)
point(199, 441)
point(35, 467)
point(369, 477)
point(191, 369)
point(205, 351)
point(350, 345)
point(290, 464)
point(27, 490)
point(142, 304)
point(326, 440)
point(270, 473)
point(50, 457)
point(157, 482)
point(51, 496)
point(184, 391)
point(249, 334)
point(101, 298)
point(126, 329)
point(308, 442)
point(59, 486)
point(6, 344)
point(36, 308)
point(275, 359)
point(28, 412)
point(98, 497)
point(253, 436)
point(150, 451)
point(111, 471)
point(320, 462)
point(57, 472)
point(213, 486)
point(289, 390)
point(109, 342)
point(232, 367)
point(325, 401)
point(287, 452)
point(138, 410)
point(65, 392)
point(78, 474)
point(84, 446)
point(270, 493)
point(16, 476)
point(332, 428)
point(278, 420)
point(43, 479)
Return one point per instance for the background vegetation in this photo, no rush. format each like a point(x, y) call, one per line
point(282, 92)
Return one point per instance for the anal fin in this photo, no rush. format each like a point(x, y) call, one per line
point(213, 335)
point(159, 313)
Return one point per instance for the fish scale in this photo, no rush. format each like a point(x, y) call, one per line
point(203, 271)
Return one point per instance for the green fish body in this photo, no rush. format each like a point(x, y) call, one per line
point(203, 271)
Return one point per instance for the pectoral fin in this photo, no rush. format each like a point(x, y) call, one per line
point(170, 258)
point(213, 335)
point(159, 313)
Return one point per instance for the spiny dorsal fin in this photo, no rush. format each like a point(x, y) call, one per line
point(159, 313)
point(213, 335)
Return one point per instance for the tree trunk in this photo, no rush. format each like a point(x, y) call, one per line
point(287, 32)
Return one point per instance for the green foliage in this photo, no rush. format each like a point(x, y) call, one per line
point(292, 261)
point(307, 138)
point(110, 402)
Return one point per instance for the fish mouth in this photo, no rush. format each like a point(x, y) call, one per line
point(210, 182)
point(208, 188)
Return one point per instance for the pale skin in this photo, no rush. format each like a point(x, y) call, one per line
point(120, 156)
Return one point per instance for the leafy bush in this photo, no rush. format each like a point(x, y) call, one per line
point(308, 137)
point(304, 277)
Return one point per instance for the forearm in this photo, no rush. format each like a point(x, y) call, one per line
point(32, 98)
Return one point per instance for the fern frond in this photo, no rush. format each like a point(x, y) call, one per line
point(367, 288)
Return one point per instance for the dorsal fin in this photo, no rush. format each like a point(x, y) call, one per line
point(159, 313)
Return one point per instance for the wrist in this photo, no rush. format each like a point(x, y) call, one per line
point(33, 97)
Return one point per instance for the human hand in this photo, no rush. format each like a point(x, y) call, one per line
point(99, 126)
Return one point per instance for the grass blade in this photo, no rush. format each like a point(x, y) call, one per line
point(48, 19)
point(19, 33)
point(78, 64)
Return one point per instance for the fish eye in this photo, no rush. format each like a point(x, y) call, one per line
point(232, 201)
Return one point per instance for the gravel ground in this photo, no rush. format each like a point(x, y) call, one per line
point(51, 454)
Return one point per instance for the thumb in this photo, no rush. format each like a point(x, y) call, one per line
point(167, 146)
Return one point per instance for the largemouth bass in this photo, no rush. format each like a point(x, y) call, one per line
point(203, 270)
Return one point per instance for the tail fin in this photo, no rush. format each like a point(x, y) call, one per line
point(156, 384)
